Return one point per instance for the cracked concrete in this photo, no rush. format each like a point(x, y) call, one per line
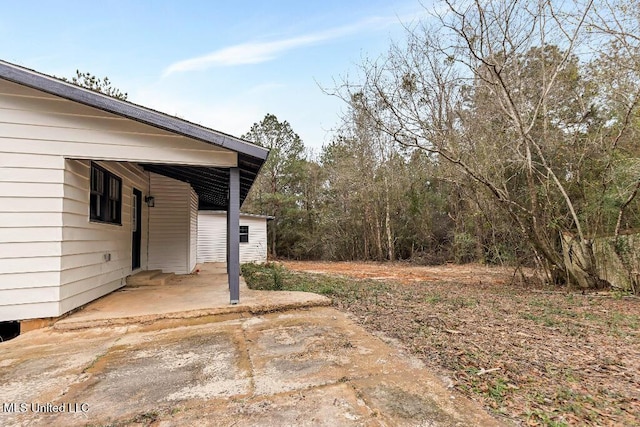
point(179, 355)
point(303, 367)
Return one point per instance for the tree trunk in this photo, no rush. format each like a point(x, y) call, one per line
point(580, 261)
point(366, 235)
point(378, 236)
point(390, 252)
point(273, 240)
point(480, 240)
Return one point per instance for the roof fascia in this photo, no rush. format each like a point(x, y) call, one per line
point(54, 86)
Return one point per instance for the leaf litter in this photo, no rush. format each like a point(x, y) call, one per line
point(532, 354)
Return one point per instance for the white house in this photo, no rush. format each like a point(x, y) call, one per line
point(212, 238)
point(94, 189)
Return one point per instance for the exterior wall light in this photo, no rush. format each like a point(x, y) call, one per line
point(150, 201)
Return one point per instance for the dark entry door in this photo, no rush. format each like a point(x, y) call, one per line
point(136, 228)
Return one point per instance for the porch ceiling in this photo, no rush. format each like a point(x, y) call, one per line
point(211, 184)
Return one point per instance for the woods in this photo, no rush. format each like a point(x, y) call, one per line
point(494, 133)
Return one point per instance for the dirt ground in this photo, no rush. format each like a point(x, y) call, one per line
point(407, 273)
point(531, 354)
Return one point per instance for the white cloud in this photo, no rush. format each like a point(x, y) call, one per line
point(257, 52)
point(246, 53)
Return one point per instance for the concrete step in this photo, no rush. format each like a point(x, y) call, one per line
point(217, 268)
point(161, 279)
point(149, 277)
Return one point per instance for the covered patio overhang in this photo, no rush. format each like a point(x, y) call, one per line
point(219, 189)
point(212, 183)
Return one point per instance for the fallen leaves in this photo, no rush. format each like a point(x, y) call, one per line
point(540, 356)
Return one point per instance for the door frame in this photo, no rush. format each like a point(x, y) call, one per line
point(136, 229)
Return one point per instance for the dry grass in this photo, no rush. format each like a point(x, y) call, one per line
point(531, 354)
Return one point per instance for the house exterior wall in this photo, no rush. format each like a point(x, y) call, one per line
point(212, 238)
point(31, 198)
point(51, 255)
point(86, 271)
point(34, 122)
point(170, 220)
point(193, 230)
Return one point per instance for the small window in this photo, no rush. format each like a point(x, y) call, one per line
point(106, 196)
point(244, 234)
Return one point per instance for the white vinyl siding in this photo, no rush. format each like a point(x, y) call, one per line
point(52, 258)
point(212, 237)
point(170, 225)
point(30, 234)
point(96, 257)
point(256, 249)
point(33, 122)
point(20, 310)
point(193, 231)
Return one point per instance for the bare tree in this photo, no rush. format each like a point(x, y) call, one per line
point(498, 90)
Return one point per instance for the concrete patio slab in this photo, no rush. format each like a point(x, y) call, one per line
point(303, 367)
point(186, 296)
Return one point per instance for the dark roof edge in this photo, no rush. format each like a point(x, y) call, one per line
point(54, 86)
point(219, 212)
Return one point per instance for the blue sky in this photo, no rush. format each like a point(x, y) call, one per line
point(222, 64)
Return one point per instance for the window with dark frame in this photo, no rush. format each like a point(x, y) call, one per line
point(244, 234)
point(106, 196)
